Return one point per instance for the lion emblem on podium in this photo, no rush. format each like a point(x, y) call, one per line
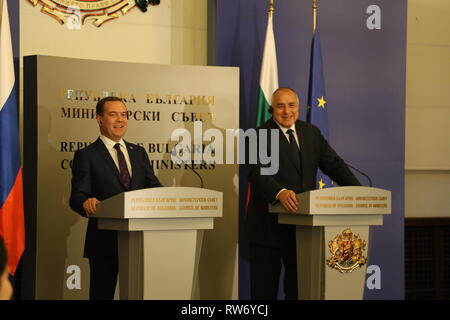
point(347, 251)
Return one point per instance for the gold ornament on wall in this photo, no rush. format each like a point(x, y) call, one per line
point(74, 13)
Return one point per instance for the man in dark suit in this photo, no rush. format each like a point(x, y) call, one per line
point(107, 167)
point(302, 150)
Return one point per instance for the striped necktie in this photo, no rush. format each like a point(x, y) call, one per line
point(123, 168)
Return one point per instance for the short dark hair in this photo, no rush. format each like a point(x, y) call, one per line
point(3, 257)
point(101, 104)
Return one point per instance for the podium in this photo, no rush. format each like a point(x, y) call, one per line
point(332, 236)
point(160, 232)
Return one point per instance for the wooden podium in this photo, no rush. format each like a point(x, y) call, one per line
point(333, 232)
point(160, 232)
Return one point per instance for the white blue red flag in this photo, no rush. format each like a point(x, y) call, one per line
point(11, 192)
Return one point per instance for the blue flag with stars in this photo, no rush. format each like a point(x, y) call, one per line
point(317, 100)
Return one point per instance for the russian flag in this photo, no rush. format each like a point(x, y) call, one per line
point(11, 192)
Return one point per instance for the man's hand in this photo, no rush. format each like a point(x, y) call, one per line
point(90, 205)
point(288, 199)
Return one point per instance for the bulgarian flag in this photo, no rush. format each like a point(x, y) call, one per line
point(268, 79)
point(11, 192)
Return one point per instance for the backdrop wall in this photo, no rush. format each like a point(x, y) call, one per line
point(159, 99)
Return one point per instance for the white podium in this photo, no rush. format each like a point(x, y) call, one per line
point(332, 234)
point(160, 232)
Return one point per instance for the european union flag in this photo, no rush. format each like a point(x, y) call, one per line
point(317, 100)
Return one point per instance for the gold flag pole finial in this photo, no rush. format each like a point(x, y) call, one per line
point(271, 8)
point(314, 6)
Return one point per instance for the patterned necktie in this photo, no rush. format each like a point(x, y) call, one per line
point(294, 148)
point(123, 169)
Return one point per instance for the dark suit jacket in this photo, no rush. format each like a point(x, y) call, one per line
point(95, 175)
point(262, 226)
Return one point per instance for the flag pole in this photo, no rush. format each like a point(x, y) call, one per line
point(1, 10)
point(271, 8)
point(314, 6)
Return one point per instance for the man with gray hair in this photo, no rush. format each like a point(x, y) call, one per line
point(302, 150)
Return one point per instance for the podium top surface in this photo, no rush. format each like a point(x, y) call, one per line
point(341, 201)
point(163, 202)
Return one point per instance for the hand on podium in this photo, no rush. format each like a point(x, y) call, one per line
point(90, 205)
point(289, 200)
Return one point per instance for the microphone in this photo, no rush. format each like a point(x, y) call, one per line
point(174, 153)
point(365, 175)
point(198, 175)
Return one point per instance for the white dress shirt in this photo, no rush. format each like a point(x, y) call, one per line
point(109, 144)
point(284, 129)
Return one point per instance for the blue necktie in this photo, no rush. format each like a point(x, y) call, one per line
point(294, 148)
point(123, 168)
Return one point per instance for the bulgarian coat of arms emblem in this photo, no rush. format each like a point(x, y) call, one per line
point(346, 252)
point(75, 12)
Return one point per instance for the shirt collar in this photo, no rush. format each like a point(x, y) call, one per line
point(284, 129)
point(111, 143)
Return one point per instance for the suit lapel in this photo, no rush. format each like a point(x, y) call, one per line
point(106, 156)
point(133, 160)
point(301, 138)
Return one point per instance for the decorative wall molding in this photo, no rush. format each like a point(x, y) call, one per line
point(74, 13)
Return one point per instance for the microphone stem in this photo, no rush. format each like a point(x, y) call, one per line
point(198, 175)
point(365, 175)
